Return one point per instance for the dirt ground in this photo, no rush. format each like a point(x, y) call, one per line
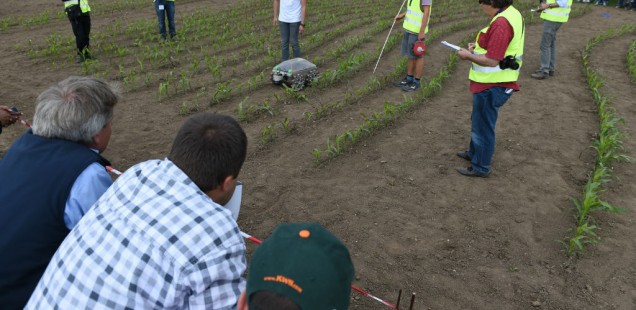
point(410, 221)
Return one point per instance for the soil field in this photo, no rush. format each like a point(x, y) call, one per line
point(410, 221)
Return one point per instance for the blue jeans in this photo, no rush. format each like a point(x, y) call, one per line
point(168, 11)
point(289, 34)
point(486, 106)
point(548, 45)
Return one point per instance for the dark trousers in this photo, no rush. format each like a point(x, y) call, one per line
point(82, 29)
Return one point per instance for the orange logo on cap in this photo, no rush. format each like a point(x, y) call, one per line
point(304, 233)
point(285, 280)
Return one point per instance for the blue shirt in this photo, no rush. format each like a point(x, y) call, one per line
point(88, 187)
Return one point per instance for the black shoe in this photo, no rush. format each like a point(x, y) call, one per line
point(469, 172)
point(411, 87)
point(402, 83)
point(551, 73)
point(464, 155)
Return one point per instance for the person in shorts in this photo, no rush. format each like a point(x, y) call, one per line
point(416, 21)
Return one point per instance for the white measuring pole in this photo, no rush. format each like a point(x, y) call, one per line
point(387, 37)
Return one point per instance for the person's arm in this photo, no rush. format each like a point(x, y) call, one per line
point(481, 60)
point(426, 10)
point(558, 4)
point(303, 4)
point(6, 116)
point(216, 281)
point(400, 16)
point(88, 187)
point(500, 36)
point(276, 6)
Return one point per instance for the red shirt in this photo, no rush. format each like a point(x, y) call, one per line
point(495, 41)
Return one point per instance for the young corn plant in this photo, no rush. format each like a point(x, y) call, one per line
point(608, 147)
point(243, 113)
point(222, 92)
point(163, 88)
point(631, 62)
point(268, 135)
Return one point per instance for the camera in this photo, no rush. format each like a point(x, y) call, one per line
point(510, 62)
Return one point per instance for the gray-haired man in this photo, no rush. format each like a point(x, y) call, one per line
point(51, 176)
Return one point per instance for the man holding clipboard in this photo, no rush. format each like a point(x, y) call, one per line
point(496, 59)
point(554, 14)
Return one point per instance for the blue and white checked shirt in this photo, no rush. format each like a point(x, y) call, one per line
point(152, 241)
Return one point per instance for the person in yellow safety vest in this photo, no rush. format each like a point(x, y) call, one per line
point(496, 57)
point(554, 14)
point(416, 20)
point(78, 13)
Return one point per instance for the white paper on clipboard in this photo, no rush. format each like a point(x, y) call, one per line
point(234, 205)
point(451, 46)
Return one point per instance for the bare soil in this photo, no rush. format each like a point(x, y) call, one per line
point(410, 221)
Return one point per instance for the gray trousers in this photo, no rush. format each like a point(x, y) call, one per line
point(548, 45)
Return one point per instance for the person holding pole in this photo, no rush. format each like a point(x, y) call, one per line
point(160, 237)
point(496, 57)
point(554, 13)
point(51, 176)
point(300, 266)
point(290, 15)
point(416, 20)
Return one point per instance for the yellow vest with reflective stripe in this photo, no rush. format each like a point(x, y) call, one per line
point(82, 3)
point(483, 74)
point(559, 15)
point(414, 16)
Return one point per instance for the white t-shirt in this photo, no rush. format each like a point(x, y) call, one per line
point(290, 11)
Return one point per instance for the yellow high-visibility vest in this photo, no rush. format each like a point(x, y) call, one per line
point(414, 16)
point(559, 15)
point(482, 74)
point(82, 3)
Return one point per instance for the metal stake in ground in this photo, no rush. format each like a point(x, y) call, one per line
point(387, 37)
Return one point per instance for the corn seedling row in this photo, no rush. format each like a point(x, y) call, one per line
point(609, 149)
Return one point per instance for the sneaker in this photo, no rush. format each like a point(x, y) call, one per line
point(412, 86)
point(469, 172)
point(540, 75)
point(402, 83)
point(464, 155)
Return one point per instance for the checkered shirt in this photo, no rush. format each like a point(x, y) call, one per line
point(152, 241)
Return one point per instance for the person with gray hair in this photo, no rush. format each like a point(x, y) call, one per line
point(51, 176)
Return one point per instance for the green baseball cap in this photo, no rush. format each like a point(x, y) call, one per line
point(305, 263)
